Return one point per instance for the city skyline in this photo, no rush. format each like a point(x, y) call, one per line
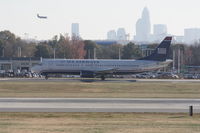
point(95, 17)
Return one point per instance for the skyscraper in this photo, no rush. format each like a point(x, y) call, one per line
point(159, 29)
point(192, 35)
point(112, 35)
point(143, 27)
point(121, 34)
point(75, 30)
point(159, 32)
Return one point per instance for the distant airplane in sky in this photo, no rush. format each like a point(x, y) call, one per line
point(101, 68)
point(41, 17)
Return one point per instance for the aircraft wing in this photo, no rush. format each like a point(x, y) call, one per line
point(41, 17)
point(101, 71)
point(108, 70)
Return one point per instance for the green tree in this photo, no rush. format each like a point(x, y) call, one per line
point(77, 49)
point(43, 50)
point(1, 48)
point(28, 50)
point(131, 51)
point(12, 44)
point(195, 60)
point(63, 49)
point(8, 40)
point(109, 51)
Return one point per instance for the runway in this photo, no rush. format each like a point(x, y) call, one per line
point(98, 105)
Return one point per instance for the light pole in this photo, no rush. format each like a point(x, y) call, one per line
point(94, 53)
point(119, 53)
point(3, 52)
point(174, 59)
point(54, 53)
point(19, 52)
point(179, 60)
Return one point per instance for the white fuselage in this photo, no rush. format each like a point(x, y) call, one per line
point(98, 66)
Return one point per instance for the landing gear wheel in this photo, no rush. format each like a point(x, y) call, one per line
point(103, 78)
point(46, 77)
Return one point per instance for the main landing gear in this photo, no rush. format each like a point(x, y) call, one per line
point(103, 77)
point(46, 77)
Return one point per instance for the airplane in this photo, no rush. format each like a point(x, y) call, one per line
point(88, 68)
point(41, 17)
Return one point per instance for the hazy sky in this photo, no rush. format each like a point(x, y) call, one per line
point(95, 17)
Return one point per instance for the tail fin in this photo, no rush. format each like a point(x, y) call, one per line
point(161, 52)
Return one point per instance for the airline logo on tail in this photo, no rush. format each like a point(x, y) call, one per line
point(169, 38)
point(162, 51)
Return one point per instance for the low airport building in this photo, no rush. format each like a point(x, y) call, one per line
point(15, 64)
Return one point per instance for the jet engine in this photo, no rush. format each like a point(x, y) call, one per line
point(87, 74)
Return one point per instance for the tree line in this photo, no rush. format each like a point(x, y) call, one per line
point(64, 47)
point(73, 48)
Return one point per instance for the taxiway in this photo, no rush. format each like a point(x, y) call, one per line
point(98, 105)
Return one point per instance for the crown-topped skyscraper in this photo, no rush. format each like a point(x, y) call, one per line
point(143, 27)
